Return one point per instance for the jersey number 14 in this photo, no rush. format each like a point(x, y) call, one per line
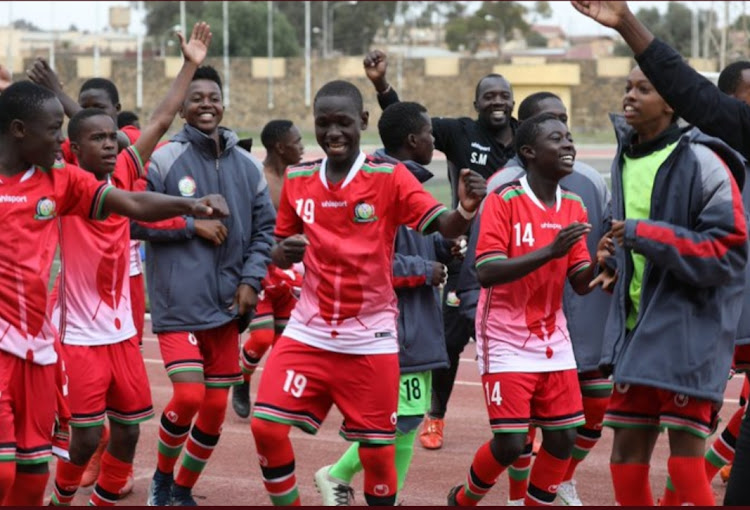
point(527, 236)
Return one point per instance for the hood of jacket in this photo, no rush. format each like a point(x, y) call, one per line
point(736, 163)
point(419, 171)
point(205, 143)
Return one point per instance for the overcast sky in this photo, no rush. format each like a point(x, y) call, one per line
point(93, 15)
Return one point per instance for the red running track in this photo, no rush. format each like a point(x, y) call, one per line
point(232, 476)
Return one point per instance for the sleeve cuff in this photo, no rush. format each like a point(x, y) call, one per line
point(190, 226)
point(428, 273)
point(630, 236)
point(253, 282)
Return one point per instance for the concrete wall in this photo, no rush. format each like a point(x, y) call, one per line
point(589, 88)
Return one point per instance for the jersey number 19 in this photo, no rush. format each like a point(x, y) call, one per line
point(306, 210)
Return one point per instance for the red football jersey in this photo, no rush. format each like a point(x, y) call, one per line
point(93, 307)
point(520, 325)
point(347, 302)
point(30, 202)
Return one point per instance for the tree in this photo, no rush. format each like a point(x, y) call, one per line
point(354, 26)
point(162, 16)
point(536, 40)
point(243, 41)
point(468, 31)
point(542, 10)
point(22, 24)
point(674, 26)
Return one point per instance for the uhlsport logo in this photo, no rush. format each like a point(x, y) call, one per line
point(364, 213)
point(187, 186)
point(45, 209)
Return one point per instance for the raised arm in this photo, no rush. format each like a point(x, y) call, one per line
point(376, 66)
point(472, 188)
point(194, 51)
point(692, 96)
point(42, 74)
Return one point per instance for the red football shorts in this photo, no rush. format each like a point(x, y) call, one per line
point(281, 288)
point(300, 383)
point(548, 400)
point(742, 358)
point(28, 401)
point(212, 352)
point(635, 406)
point(107, 379)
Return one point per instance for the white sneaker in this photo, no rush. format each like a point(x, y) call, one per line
point(334, 492)
point(568, 494)
point(515, 502)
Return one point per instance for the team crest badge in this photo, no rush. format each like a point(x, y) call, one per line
point(681, 400)
point(45, 209)
point(187, 186)
point(622, 388)
point(364, 213)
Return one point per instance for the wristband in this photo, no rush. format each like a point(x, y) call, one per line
point(464, 213)
point(388, 89)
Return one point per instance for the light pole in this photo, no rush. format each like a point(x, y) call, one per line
point(332, 11)
point(183, 22)
point(11, 34)
point(270, 55)
point(500, 33)
point(54, 36)
point(307, 53)
point(325, 29)
point(227, 70)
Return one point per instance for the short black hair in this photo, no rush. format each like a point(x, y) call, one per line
point(528, 130)
point(730, 76)
point(102, 84)
point(341, 88)
point(22, 100)
point(479, 83)
point(126, 118)
point(399, 121)
point(208, 73)
point(273, 131)
point(530, 106)
point(76, 123)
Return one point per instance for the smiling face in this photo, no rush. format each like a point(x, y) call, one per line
point(338, 127)
point(644, 108)
point(552, 153)
point(41, 134)
point(494, 102)
point(96, 147)
point(203, 107)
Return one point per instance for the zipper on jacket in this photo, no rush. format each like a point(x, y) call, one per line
point(648, 266)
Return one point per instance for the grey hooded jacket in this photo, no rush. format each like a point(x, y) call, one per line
point(695, 243)
point(191, 282)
